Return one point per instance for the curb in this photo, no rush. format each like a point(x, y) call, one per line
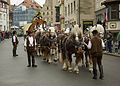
point(112, 54)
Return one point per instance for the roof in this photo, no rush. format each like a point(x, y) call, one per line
point(31, 4)
point(3, 1)
point(110, 1)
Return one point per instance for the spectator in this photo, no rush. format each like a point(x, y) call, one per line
point(0, 36)
point(109, 42)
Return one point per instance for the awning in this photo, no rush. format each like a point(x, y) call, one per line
point(110, 1)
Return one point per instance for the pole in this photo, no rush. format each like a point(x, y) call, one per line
point(79, 13)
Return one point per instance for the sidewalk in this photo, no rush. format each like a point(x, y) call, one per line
point(112, 54)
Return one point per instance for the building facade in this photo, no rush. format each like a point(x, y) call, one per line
point(100, 10)
point(48, 12)
point(81, 12)
point(24, 12)
point(4, 15)
point(113, 15)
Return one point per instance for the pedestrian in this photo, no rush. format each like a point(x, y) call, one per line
point(109, 42)
point(96, 45)
point(30, 47)
point(116, 46)
point(0, 36)
point(15, 43)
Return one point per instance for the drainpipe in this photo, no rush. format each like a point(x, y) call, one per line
point(79, 13)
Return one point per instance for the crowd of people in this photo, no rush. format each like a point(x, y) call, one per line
point(4, 35)
point(112, 44)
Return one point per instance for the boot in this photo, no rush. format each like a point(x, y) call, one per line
point(64, 66)
point(101, 72)
point(33, 62)
point(76, 69)
point(94, 74)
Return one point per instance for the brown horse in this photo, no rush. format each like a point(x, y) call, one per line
point(45, 47)
point(73, 45)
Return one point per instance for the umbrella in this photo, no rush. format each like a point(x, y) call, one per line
point(14, 27)
point(118, 36)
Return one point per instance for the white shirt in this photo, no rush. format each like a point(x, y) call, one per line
point(14, 38)
point(90, 44)
point(30, 38)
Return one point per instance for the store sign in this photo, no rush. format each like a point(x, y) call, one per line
point(87, 24)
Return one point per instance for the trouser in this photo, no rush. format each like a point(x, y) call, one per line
point(86, 57)
point(14, 50)
point(31, 56)
point(97, 60)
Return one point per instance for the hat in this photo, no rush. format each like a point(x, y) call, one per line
point(94, 32)
point(29, 32)
point(14, 32)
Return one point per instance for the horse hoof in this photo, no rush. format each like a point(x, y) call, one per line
point(77, 72)
point(55, 60)
point(49, 62)
point(90, 71)
point(64, 69)
point(70, 71)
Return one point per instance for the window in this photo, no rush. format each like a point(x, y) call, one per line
point(43, 13)
point(0, 16)
point(114, 12)
point(65, 11)
point(68, 9)
point(74, 6)
point(4, 17)
point(71, 8)
point(47, 8)
point(47, 13)
point(51, 13)
point(0, 4)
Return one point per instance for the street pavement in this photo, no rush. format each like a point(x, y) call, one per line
point(13, 71)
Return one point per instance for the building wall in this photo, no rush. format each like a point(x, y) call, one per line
point(86, 11)
point(113, 23)
point(48, 12)
point(98, 5)
point(4, 16)
point(22, 14)
point(110, 14)
point(100, 10)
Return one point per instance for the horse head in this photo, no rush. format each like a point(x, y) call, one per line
point(76, 33)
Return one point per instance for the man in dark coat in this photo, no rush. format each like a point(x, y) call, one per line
point(15, 43)
point(30, 47)
point(96, 46)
